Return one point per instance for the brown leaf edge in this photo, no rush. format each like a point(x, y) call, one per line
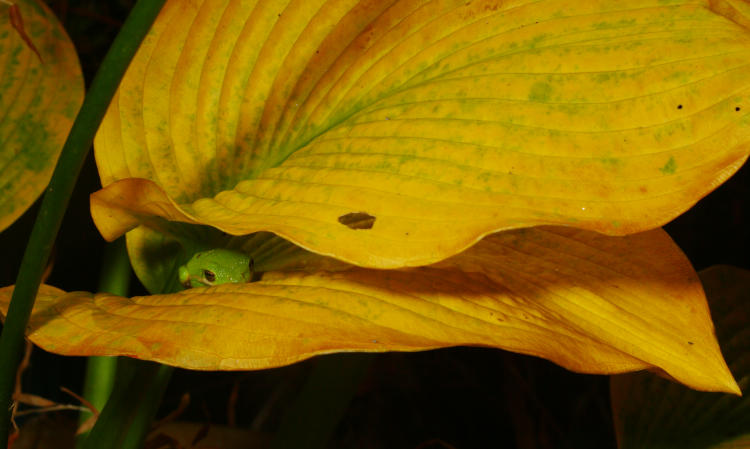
point(16, 20)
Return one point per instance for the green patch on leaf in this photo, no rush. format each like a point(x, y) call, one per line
point(540, 92)
point(670, 167)
point(611, 161)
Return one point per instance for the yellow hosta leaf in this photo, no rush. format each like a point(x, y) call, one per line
point(433, 123)
point(742, 442)
point(583, 300)
point(40, 94)
point(652, 413)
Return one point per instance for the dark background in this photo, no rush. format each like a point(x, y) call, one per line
point(450, 398)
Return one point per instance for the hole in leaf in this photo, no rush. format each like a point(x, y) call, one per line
point(737, 108)
point(679, 106)
point(357, 220)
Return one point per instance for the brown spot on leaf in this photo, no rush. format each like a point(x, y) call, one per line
point(357, 220)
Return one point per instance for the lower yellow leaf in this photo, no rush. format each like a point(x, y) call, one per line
point(588, 302)
point(650, 412)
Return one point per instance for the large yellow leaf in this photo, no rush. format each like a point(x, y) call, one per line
point(428, 123)
point(574, 297)
point(40, 94)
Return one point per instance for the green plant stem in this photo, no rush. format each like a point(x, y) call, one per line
point(130, 410)
point(98, 382)
point(100, 371)
point(58, 194)
point(312, 418)
point(138, 388)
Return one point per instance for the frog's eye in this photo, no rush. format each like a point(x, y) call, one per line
point(209, 275)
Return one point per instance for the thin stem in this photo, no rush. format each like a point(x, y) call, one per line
point(136, 394)
point(314, 415)
point(100, 371)
point(130, 410)
point(58, 194)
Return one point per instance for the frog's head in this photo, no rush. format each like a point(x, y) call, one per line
point(216, 266)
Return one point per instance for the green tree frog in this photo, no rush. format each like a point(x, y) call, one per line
point(216, 266)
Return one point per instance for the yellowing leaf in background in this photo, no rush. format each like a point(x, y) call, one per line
point(581, 299)
point(39, 98)
point(441, 121)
